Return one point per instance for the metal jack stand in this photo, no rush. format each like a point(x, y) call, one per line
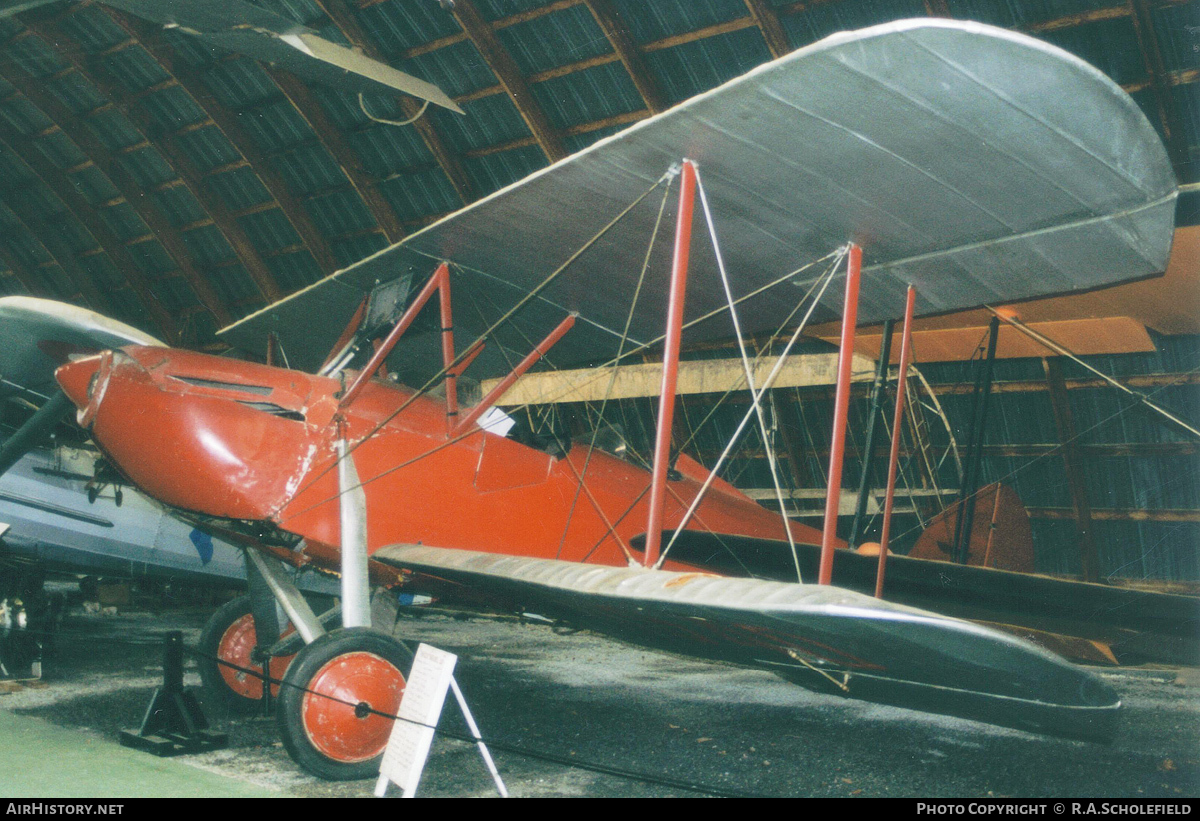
point(174, 724)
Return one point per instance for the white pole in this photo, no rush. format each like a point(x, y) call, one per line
point(356, 584)
point(483, 750)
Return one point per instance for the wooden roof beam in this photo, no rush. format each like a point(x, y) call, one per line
point(499, 23)
point(445, 156)
point(583, 128)
point(505, 68)
point(1078, 19)
point(311, 110)
point(234, 234)
point(16, 266)
point(767, 20)
point(100, 157)
point(1152, 61)
point(617, 33)
point(191, 80)
point(79, 208)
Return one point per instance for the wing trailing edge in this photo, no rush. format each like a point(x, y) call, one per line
point(823, 637)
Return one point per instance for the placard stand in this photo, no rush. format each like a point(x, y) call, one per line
point(424, 695)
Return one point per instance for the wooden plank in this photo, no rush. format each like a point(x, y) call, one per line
point(848, 500)
point(695, 377)
point(1154, 380)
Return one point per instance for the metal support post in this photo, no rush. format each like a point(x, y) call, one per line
point(841, 409)
point(34, 431)
point(877, 390)
point(666, 399)
point(356, 583)
point(964, 521)
point(174, 723)
point(897, 420)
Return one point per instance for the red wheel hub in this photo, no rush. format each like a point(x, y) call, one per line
point(334, 719)
point(237, 647)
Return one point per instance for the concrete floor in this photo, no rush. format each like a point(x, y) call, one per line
point(583, 698)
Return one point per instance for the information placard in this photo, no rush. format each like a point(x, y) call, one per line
point(412, 734)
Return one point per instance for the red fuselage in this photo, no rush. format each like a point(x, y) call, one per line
point(239, 440)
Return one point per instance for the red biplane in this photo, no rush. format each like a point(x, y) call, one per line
point(948, 164)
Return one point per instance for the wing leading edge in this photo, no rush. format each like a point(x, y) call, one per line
point(823, 637)
point(980, 164)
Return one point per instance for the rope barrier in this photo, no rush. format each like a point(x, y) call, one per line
point(155, 639)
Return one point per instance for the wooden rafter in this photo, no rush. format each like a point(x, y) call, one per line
point(1078, 19)
point(56, 180)
point(130, 192)
point(767, 20)
point(184, 76)
point(311, 111)
point(497, 24)
point(484, 38)
point(445, 156)
point(617, 33)
point(1168, 112)
point(234, 234)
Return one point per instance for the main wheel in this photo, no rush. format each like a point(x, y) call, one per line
point(229, 636)
point(332, 696)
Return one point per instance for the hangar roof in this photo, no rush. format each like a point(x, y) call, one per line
point(177, 187)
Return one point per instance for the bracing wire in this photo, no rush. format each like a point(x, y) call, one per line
point(755, 395)
point(770, 380)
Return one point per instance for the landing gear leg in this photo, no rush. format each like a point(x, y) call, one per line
point(245, 635)
point(334, 710)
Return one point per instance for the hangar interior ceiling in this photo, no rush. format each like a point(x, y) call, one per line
point(179, 188)
point(176, 187)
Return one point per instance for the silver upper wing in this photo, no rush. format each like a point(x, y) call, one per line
point(979, 164)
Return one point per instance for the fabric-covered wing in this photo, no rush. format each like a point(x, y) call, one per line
point(980, 164)
point(823, 637)
point(37, 335)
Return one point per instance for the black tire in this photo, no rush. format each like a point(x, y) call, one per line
point(218, 689)
point(329, 738)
